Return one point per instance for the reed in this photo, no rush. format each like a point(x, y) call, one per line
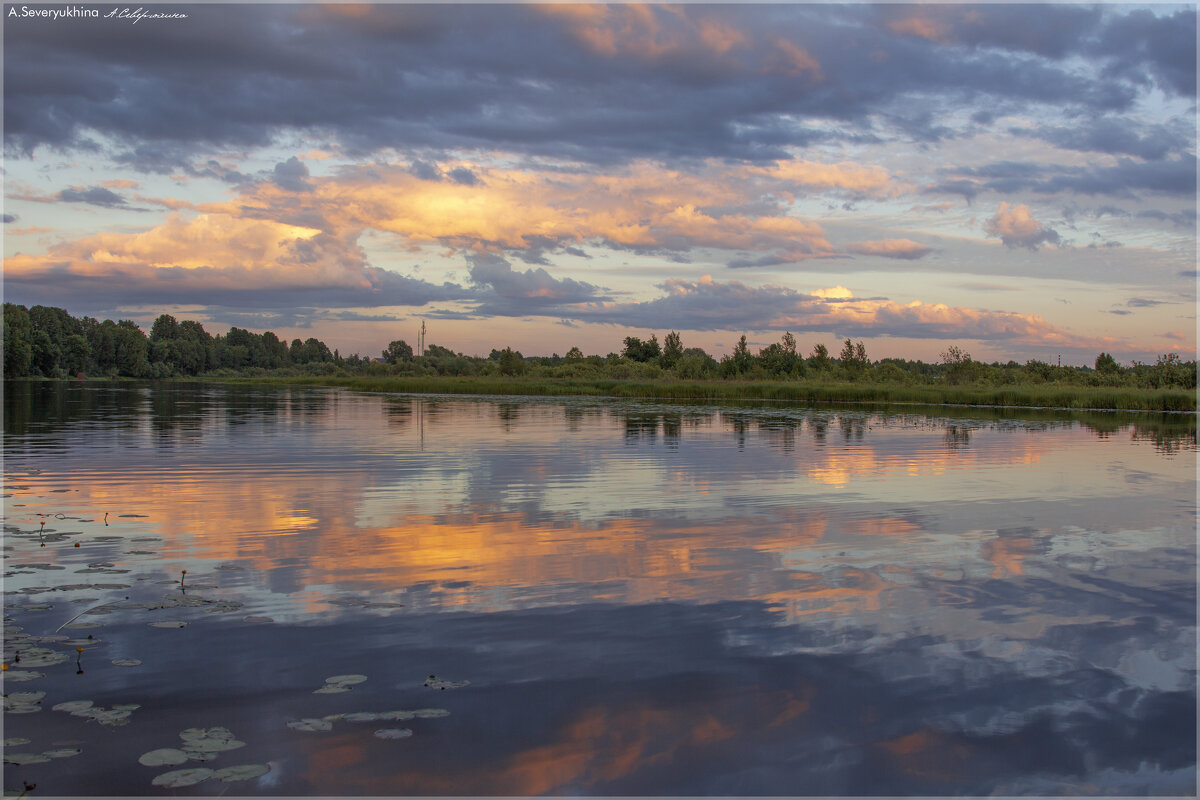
point(1030, 396)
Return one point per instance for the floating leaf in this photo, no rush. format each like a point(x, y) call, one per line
point(16, 741)
point(126, 662)
point(25, 758)
point(430, 713)
point(346, 680)
point(126, 707)
point(213, 745)
point(243, 772)
point(441, 683)
point(77, 626)
point(183, 777)
point(22, 675)
point(168, 624)
point(331, 688)
point(163, 757)
point(361, 716)
point(191, 735)
point(64, 752)
point(73, 705)
point(393, 733)
point(253, 618)
point(24, 697)
point(311, 725)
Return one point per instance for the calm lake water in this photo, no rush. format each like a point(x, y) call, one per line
point(522, 597)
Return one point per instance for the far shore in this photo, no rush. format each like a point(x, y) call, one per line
point(1046, 396)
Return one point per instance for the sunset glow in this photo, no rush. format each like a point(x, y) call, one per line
point(1018, 181)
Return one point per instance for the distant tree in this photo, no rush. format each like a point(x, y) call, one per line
point(511, 362)
point(672, 350)
point(780, 359)
point(397, 352)
point(1106, 364)
point(819, 360)
point(853, 358)
point(959, 366)
point(18, 341)
point(164, 327)
point(637, 350)
point(574, 354)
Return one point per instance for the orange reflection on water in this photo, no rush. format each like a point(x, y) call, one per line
point(602, 743)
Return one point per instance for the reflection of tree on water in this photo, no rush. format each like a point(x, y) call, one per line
point(957, 436)
point(1164, 442)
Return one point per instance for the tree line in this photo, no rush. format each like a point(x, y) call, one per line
point(48, 342)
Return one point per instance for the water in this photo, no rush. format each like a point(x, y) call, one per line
point(620, 598)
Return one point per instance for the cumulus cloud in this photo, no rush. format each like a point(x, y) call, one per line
point(1015, 226)
point(513, 293)
point(292, 175)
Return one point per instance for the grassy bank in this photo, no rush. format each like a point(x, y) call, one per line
point(1035, 396)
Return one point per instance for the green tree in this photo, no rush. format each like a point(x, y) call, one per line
point(637, 350)
point(820, 360)
point(397, 352)
point(574, 354)
point(511, 362)
point(672, 350)
point(959, 366)
point(18, 341)
point(1107, 365)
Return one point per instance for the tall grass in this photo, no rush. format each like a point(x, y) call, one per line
point(1032, 396)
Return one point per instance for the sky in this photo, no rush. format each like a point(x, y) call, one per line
point(1018, 181)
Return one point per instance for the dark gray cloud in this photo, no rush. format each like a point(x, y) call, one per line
point(509, 293)
point(451, 77)
point(463, 176)
point(1129, 178)
point(1117, 136)
point(230, 288)
point(95, 196)
point(7, 218)
point(425, 171)
point(292, 175)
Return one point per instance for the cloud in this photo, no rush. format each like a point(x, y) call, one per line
point(709, 305)
point(96, 196)
point(1016, 227)
point(891, 248)
point(591, 83)
point(292, 175)
point(513, 293)
point(7, 218)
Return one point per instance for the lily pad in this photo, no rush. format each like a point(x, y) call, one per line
point(22, 759)
point(126, 662)
point(16, 741)
point(430, 713)
point(163, 757)
point(243, 772)
point(168, 624)
point(72, 706)
point(63, 752)
point(442, 683)
point(393, 733)
point(256, 619)
point(346, 680)
point(22, 675)
point(213, 745)
point(183, 777)
point(331, 688)
point(312, 725)
point(215, 734)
